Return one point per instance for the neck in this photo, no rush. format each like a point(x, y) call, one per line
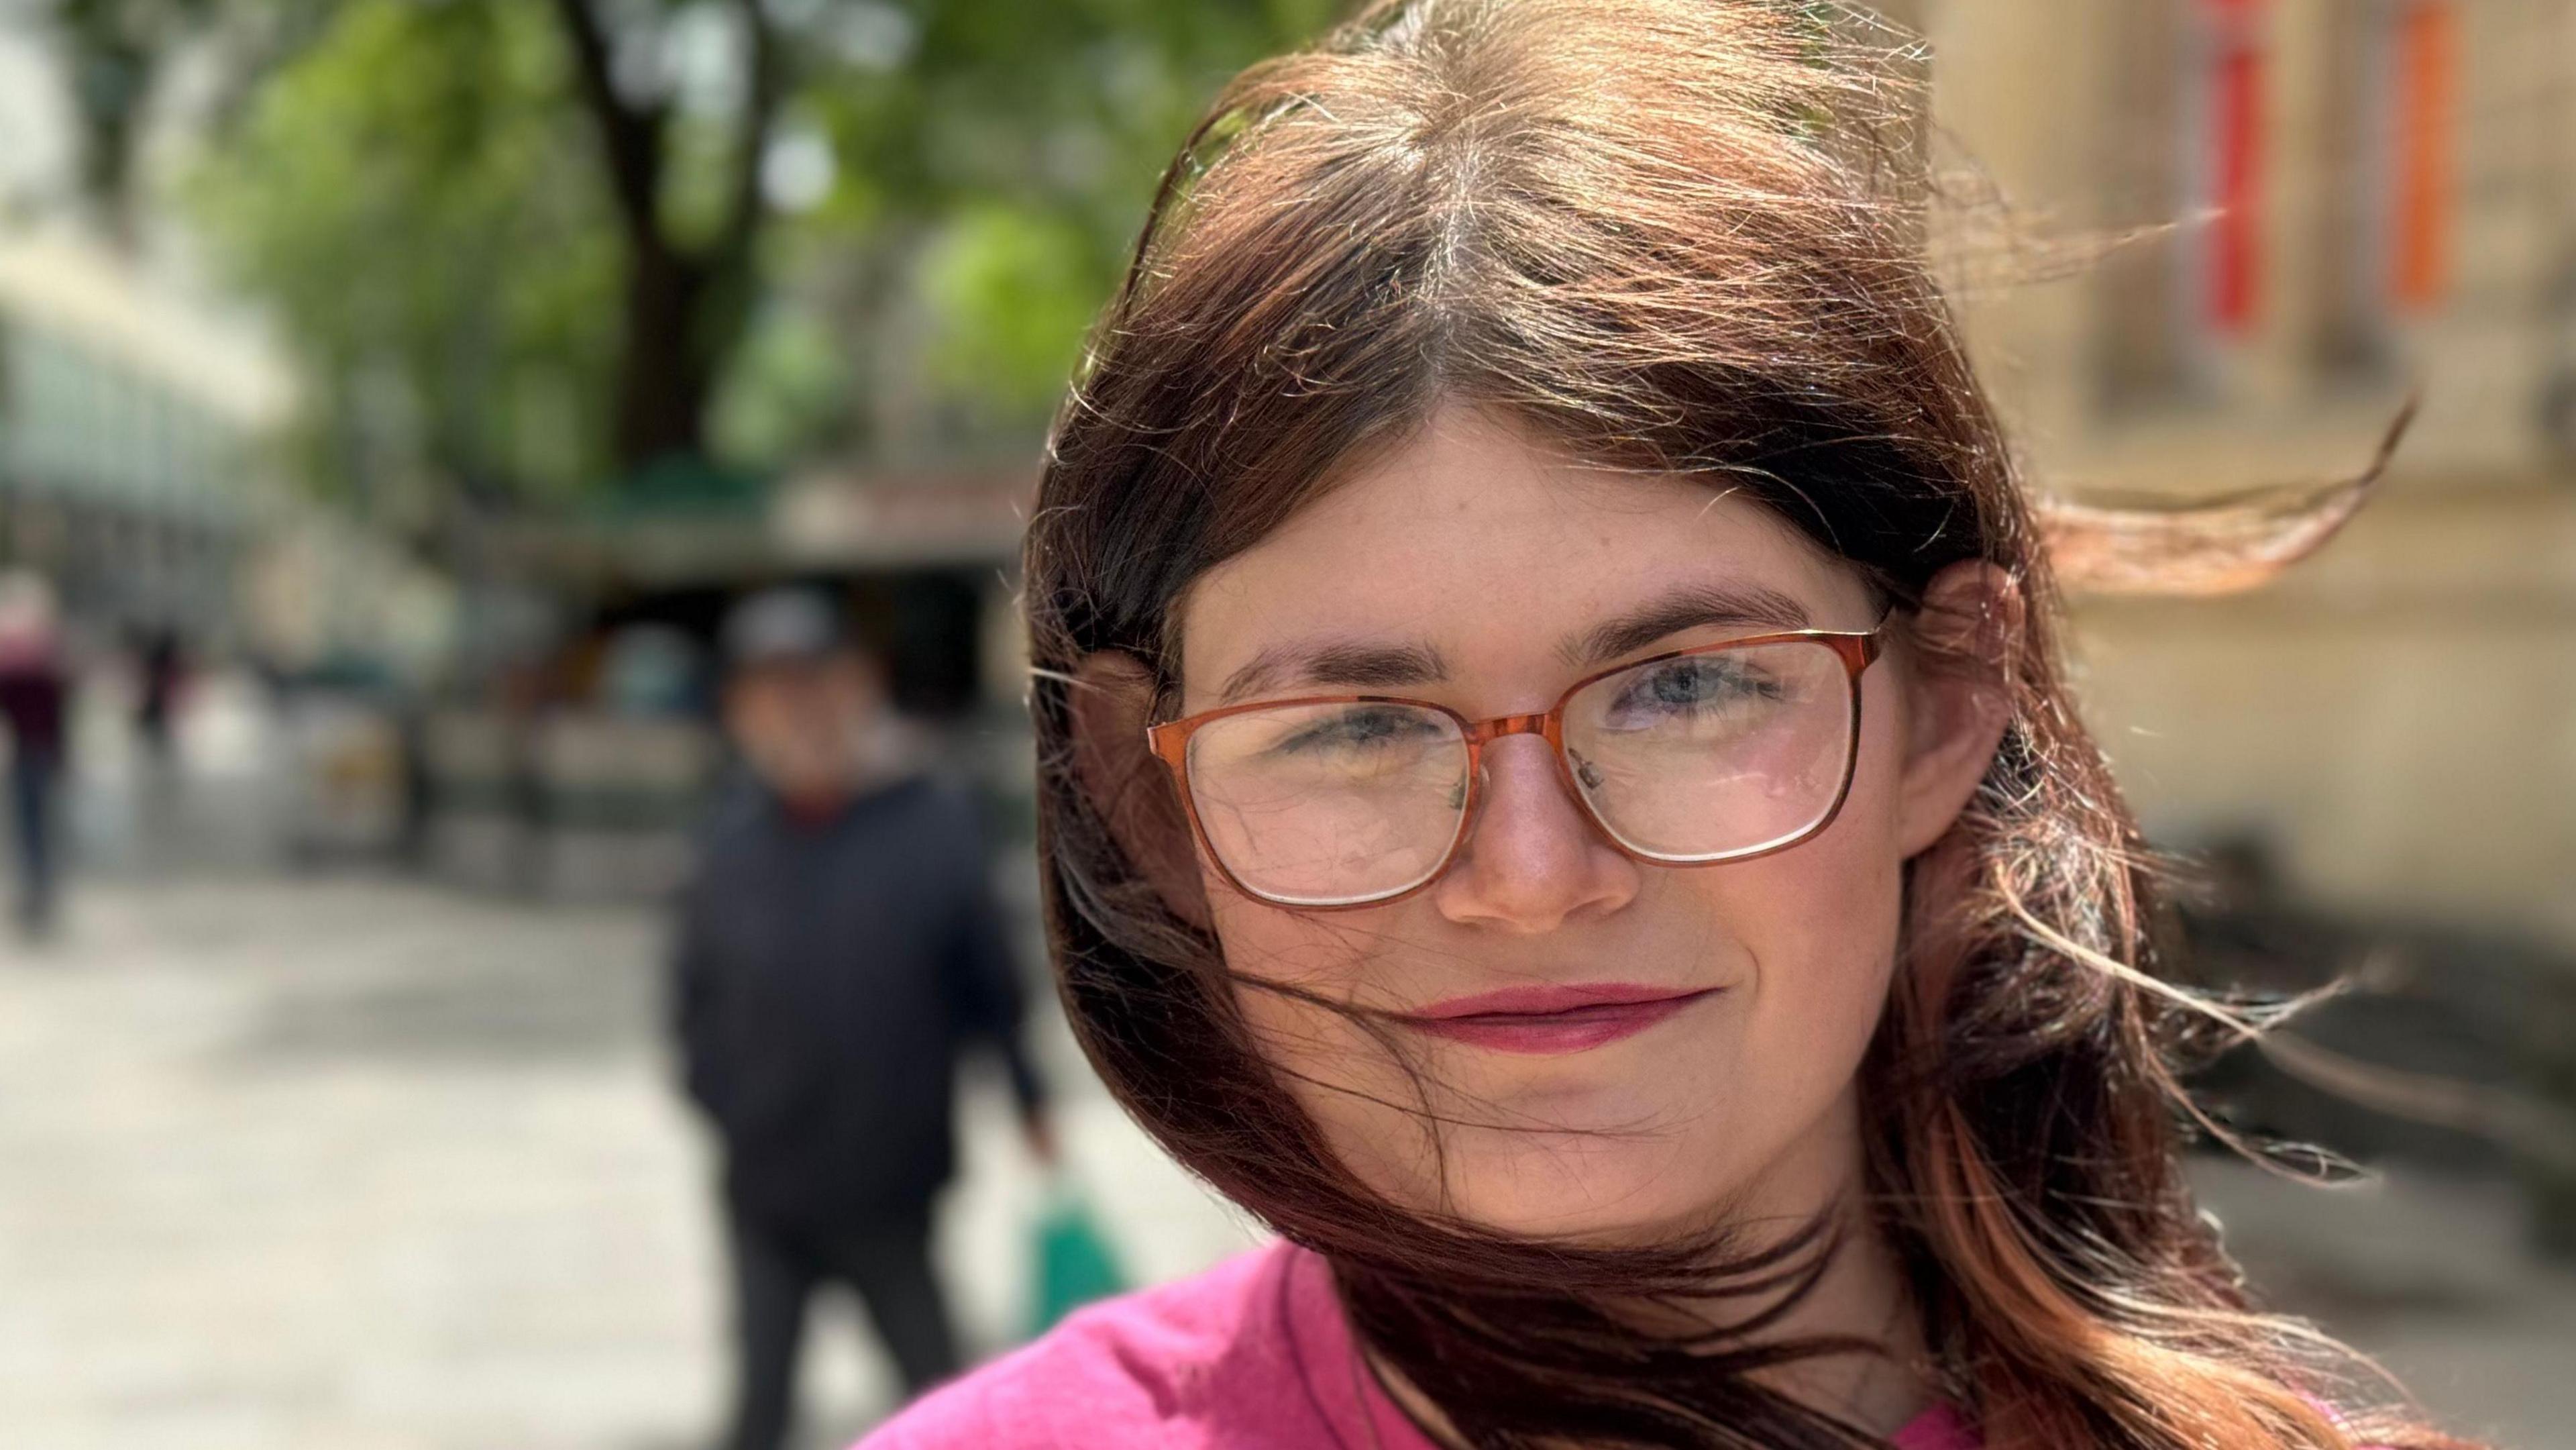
point(813, 805)
point(1860, 1295)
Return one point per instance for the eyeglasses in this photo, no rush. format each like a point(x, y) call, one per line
point(1722, 752)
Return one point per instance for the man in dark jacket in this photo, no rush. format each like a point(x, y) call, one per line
point(839, 945)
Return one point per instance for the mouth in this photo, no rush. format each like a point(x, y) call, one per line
point(1552, 1020)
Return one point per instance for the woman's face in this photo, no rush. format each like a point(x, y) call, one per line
point(1488, 563)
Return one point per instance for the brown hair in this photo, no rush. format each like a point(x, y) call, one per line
point(1679, 237)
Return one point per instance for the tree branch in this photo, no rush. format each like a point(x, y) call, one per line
point(766, 86)
point(630, 134)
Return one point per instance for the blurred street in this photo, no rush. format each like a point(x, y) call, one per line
point(347, 1162)
point(296, 1165)
point(352, 1163)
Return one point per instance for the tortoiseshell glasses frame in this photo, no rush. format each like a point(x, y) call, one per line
point(1856, 650)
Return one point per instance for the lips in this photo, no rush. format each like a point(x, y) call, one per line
point(1553, 1019)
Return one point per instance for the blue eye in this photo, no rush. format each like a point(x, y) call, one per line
point(1359, 729)
point(1694, 684)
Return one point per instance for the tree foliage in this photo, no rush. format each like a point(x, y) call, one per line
point(426, 218)
point(527, 245)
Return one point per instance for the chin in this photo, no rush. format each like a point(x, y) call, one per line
point(1607, 1187)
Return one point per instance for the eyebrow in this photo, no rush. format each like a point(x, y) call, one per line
point(1367, 665)
point(1348, 664)
point(1697, 606)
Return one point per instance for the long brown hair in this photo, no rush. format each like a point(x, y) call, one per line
point(1677, 236)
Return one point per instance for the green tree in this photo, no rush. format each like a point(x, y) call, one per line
point(426, 220)
point(524, 244)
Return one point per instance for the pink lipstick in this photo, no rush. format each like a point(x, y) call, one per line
point(1552, 1019)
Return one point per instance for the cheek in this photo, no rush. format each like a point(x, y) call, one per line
point(1830, 909)
point(1831, 903)
point(1315, 953)
point(1337, 957)
point(1354, 1088)
point(1816, 931)
point(1818, 924)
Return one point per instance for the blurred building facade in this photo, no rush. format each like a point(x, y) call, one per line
point(2326, 204)
point(128, 439)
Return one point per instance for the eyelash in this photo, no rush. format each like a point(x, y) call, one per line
point(1732, 677)
point(1347, 728)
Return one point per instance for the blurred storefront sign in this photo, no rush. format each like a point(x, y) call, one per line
point(672, 524)
point(724, 527)
point(849, 518)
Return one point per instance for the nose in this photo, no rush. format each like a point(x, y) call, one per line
point(1533, 859)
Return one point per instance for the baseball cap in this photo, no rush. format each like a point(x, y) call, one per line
point(777, 626)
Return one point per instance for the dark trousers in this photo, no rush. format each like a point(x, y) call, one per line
point(775, 1273)
point(31, 819)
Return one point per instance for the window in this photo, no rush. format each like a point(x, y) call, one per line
point(2391, 135)
point(2190, 162)
point(2223, 161)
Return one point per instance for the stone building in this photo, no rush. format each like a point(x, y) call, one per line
point(2318, 206)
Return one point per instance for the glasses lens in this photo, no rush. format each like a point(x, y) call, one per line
point(1716, 754)
point(1324, 805)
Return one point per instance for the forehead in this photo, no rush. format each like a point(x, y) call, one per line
point(796, 671)
point(1479, 540)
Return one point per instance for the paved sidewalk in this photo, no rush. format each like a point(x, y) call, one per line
point(2432, 1277)
point(372, 1166)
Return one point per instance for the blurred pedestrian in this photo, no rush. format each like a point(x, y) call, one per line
point(160, 663)
point(34, 698)
point(161, 673)
point(839, 945)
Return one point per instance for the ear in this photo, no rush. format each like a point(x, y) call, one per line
point(1957, 695)
point(1110, 703)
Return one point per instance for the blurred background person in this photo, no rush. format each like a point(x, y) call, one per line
point(161, 672)
point(839, 945)
point(34, 698)
point(159, 663)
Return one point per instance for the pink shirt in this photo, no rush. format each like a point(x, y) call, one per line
point(1252, 1355)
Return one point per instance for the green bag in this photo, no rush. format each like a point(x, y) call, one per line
point(1073, 1261)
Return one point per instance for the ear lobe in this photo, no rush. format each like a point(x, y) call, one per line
point(1110, 703)
point(1959, 698)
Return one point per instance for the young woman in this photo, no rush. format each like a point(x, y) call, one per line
point(1559, 795)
